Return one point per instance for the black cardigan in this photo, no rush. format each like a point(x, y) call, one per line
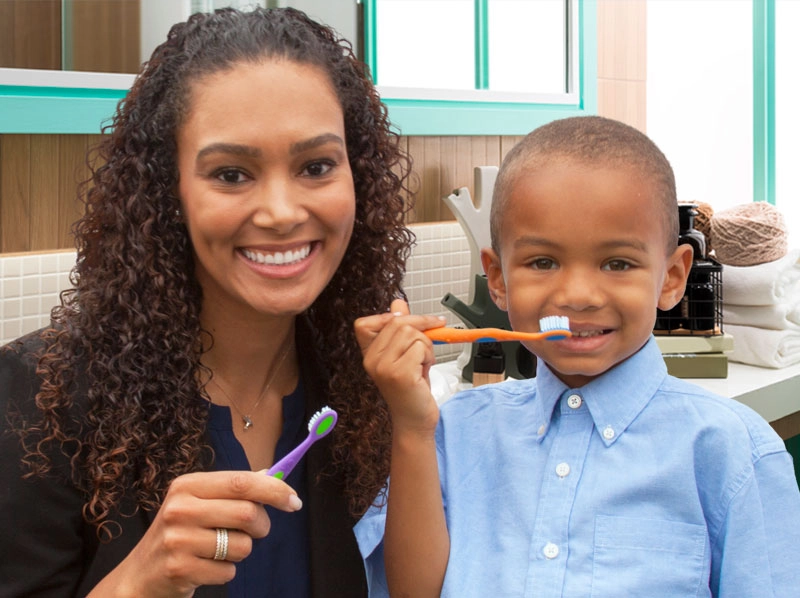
point(48, 550)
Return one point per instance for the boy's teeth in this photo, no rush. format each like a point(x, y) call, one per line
point(587, 333)
point(279, 258)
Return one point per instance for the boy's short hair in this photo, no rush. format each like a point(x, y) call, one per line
point(590, 140)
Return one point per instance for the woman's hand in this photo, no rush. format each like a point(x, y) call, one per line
point(176, 555)
point(398, 357)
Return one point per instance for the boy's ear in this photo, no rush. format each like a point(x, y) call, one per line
point(677, 273)
point(494, 276)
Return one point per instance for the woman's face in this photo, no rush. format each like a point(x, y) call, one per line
point(265, 186)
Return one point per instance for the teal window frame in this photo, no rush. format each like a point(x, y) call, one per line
point(764, 101)
point(32, 109)
point(454, 117)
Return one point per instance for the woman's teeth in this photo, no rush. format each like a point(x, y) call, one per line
point(278, 258)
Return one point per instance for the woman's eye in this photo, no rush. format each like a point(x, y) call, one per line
point(543, 263)
point(318, 168)
point(617, 266)
point(230, 176)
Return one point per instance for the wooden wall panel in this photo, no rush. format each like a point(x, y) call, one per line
point(105, 36)
point(45, 230)
point(622, 61)
point(30, 34)
point(443, 164)
point(39, 177)
point(15, 193)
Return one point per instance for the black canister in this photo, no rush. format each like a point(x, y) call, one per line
point(688, 233)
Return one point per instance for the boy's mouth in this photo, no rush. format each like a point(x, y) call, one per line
point(588, 333)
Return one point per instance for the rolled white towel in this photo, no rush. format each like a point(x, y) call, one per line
point(779, 316)
point(764, 284)
point(765, 348)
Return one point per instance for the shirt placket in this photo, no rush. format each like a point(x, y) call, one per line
point(571, 430)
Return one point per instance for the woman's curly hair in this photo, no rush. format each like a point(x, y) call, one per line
point(132, 319)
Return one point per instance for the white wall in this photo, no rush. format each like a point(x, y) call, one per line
point(700, 99)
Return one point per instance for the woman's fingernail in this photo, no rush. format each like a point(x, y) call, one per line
point(295, 503)
point(397, 313)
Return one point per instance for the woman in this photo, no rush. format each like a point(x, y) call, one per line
point(248, 209)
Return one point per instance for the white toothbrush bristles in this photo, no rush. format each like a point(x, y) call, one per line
point(554, 323)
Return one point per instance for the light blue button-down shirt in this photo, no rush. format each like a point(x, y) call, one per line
point(635, 485)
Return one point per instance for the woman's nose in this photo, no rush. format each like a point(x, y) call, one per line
point(279, 206)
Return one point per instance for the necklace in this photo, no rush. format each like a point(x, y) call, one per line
point(247, 420)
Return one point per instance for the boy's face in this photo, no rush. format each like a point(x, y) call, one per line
point(586, 242)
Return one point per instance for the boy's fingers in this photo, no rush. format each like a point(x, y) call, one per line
point(368, 327)
point(399, 308)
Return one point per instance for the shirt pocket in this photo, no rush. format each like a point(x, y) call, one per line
point(648, 557)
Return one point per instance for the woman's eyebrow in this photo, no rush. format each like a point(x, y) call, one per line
point(307, 144)
point(229, 148)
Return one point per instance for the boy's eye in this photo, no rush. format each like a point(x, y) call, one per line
point(318, 168)
point(543, 263)
point(617, 266)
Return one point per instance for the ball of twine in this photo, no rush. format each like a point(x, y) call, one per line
point(749, 234)
point(702, 221)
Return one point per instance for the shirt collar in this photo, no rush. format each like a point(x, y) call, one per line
point(614, 399)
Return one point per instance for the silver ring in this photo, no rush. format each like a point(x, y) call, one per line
point(221, 552)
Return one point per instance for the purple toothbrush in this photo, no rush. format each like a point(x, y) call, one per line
point(319, 426)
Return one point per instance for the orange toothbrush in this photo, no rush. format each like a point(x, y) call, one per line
point(552, 328)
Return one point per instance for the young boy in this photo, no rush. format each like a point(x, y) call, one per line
point(603, 476)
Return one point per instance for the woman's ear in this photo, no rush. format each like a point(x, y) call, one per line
point(494, 277)
point(677, 273)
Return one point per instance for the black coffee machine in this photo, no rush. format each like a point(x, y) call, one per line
point(700, 310)
point(483, 313)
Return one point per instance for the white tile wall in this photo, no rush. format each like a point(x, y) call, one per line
point(29, 288)
point(439, 264)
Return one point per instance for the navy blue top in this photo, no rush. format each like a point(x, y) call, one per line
point(279, 563)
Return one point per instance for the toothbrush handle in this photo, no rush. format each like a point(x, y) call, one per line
point(488, 335)
point(465, 335)
point(284, 467)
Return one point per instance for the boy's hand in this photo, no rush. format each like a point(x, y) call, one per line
point(398, 356)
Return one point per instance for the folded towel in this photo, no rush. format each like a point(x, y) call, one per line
point(765, 348)
point(764, 284)
point(779, 316)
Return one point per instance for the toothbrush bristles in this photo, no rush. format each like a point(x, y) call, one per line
point(554, 323)
point(315, 418)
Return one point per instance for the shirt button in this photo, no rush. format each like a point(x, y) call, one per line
point(574, 401)
point(608, 433)
point(550, 550)
point(541, 430)
point(562, 470)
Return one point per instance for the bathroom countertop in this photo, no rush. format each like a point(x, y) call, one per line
point(773, 393)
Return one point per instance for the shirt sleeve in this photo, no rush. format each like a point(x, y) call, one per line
point(755, 552)
point(369, 534)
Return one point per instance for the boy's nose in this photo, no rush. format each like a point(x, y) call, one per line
point(579, 291)
point(279, 207)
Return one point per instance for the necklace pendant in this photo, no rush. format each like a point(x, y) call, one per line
point(248, 423)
